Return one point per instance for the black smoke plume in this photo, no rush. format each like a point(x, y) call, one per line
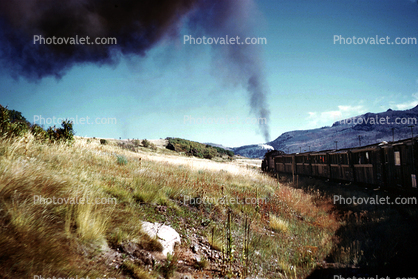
point(243, 62)
point(137, 26)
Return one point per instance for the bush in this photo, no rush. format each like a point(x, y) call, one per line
point(12, 123)
point(136, 142)
point(146, 143)
point(39, 133)
point(197, 149)
point(64, 134)
point(103, 141)
point(122, 160)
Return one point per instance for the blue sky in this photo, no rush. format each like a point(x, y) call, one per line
point(311, 81)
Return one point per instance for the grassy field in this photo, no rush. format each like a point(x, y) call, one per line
point(281, 232)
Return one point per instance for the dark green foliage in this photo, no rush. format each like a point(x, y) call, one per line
point(39, 133)
point(12, 123)
point(196, 149)
point(16, 116)
point(63, 134)
point(103, 141)
point(146, 143)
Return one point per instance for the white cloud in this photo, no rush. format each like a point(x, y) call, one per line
point(327, 118)
point(408, 104)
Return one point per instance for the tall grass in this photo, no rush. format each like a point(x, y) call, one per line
point(60, 239)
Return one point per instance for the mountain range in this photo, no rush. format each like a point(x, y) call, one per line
point(351, 132)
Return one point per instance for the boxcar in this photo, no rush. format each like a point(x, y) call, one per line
point(341, 165)
point(400, 164)
point(268, 163)
point(285, 163)
point(385, 164)
point(303, 165)
point(320, 164)
point(367, 165)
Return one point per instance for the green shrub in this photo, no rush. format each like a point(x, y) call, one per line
point(122, 160)
point(197, 149)
point(63, 134)
point(39, 133)
point(12, 123)
point(103, 141)
point(146, 143)
point(136, 142)
point(169, 267)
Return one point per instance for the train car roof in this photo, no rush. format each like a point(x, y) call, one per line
point(369, 147)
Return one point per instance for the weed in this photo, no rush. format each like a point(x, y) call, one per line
point(202, 263)
point(122, 160)
point(277, 224)
point(135, 271)
point(169, 267)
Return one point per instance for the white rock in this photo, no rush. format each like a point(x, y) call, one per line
point(166, 235)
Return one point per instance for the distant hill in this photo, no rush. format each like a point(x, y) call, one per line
point(371, 127)
point(218, 145)
point(252, 151)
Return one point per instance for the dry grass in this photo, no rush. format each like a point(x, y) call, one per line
point(55, 239)
point(278, 224)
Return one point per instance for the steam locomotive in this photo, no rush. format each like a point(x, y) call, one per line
point(386, 165)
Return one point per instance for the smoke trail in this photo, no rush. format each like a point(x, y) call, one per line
point(137, 26)
point(218, 18)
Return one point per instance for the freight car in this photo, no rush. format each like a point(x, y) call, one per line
point(267, 164)
point(385, 164)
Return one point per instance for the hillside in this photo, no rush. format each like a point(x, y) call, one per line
point(74, 207)
point(155, 185)
point(252, 151)
point(371, 127)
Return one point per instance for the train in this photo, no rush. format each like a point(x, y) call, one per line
point(385, 164)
